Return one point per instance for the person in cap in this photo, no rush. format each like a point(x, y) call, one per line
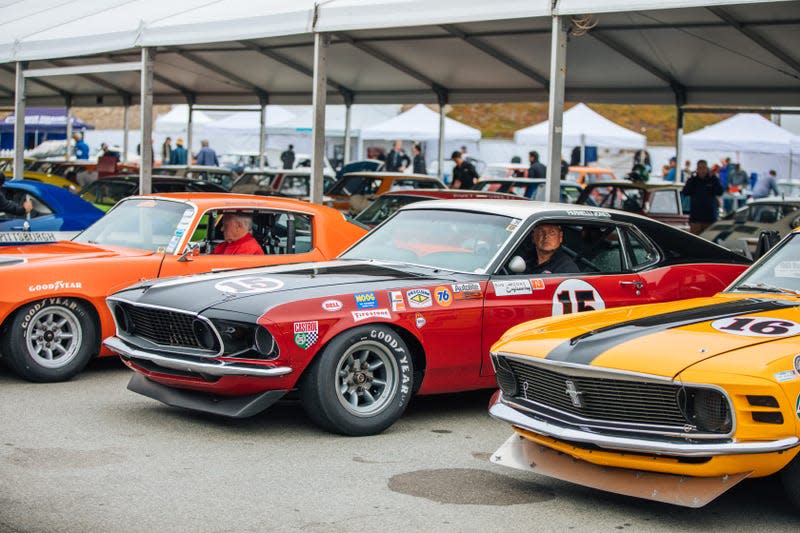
point(464, 173)
point(179, 155)
point(13, 208)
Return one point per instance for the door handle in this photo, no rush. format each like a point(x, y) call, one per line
point(636, 284)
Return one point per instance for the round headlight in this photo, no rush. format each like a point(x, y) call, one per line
point(265, 343)
point(797, 362)
point(124, 322)
point(205, 337)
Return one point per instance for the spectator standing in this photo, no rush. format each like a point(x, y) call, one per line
point(687, 170)
point(207, 156)
point(81, 149)
point(179, 155)
point(737, 180)
point(766, 185)
point(105, 151)
point(642, 157)
point(13, 208)
point(464, 173)
point(704, 190)
point(287, 158)
point(397, 160)
point(575, 156)
point(537, 169)
point(419, 160)
point(166, 150)
point(671, 170)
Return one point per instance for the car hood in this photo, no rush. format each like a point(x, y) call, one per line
point(256, 290)
point(661, 339)
point(61, 252)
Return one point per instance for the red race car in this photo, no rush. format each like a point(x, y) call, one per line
point(413, 307)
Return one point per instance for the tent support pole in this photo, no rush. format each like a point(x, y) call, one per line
point(19, 121)
point(146, 102)
point(262, 129)
point(679, 146)
point(348, 109)
point(322, 42)
point(125, 126)
point(558, 77)
point(189, 128)
point(442, 102)
point(69, 127)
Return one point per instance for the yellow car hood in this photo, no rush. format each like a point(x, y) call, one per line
point(660, 339)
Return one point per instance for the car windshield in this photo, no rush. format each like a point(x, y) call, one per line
point(250, 183)
point(380, 209)
point(143, 223)
point(779, 272)
point(452, 240)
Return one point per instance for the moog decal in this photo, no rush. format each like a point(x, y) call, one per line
point(366, 300)
point(756, 326)
point(575, 296)
point(249, 285)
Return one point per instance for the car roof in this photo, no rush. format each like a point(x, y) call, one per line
point(398, 175)
point(516, 209)
point(590, 170)
point(452, 194)
point(509, 165)
point(632, 185)
point(525, 180)
point(209, 200)
point(197, 167)
point(302, 171)
point(774, 200)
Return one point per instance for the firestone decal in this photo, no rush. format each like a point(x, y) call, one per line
point(575, 296)
point(306, 334)
point(366, 300)
point(332, 305)
point(358, 316)
point(512, 287)
point(443, 296)
point(249, 285)
point(398, 304)
point(418, 298)
point(756, 326)
point(54, 286)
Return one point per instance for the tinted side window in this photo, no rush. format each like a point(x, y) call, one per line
point(641, 252)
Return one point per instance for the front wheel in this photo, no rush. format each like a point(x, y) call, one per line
point(361, 382)
point(790, 477)
point(50, 340)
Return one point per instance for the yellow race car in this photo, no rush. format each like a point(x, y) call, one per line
point(674, 402)
point(7, 167)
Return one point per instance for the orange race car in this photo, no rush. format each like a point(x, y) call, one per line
point(52, 309)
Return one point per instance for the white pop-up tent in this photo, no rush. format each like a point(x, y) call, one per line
point(421, 124)
point(583, 127)
point(240, 131)
point(749, 139)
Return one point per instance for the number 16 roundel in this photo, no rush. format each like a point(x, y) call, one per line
point(574, 296)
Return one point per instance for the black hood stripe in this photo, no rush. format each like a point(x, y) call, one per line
point(583, 349)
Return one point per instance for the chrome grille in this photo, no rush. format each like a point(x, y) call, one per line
point(168, 328)
point(602, 399)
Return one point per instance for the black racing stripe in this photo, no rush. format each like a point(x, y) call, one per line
point(583, 349)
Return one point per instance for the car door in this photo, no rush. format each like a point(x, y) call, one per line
point(606, 280)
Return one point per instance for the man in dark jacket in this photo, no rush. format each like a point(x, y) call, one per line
point(550, 256)
point(464, 173)
point(287, 158)
point(704, 190)
point(419, 160)
point(12, 208)
point(397, 160)
point(537, 169)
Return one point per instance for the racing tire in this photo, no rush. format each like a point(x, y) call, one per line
point(790, 477)
point(50, 340)
point(360, 383)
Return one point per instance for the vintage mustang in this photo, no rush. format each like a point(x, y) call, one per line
point(675, 402)
point(52, 308)
point(412, 307)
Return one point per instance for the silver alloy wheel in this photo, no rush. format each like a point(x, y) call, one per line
point(53, 337)
point(366, 378)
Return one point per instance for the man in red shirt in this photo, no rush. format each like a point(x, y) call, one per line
point(238, 239)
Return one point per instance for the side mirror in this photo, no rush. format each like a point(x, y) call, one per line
point(192, 250)
point(517, 265)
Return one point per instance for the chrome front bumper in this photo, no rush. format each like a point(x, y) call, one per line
point(212, 367)
point(502, 410)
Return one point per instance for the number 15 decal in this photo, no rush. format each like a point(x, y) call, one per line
point(574, 296)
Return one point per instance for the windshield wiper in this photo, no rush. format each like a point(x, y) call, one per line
point(767, 288)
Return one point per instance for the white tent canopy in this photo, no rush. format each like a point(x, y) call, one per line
point(748, 139)
point(178, 117)
point(583, 127)
point(420, 124)
point(249, 121)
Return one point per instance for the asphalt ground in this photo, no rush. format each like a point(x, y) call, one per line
point(88, 455)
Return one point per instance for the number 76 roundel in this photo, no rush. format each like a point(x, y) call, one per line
point(574, 296)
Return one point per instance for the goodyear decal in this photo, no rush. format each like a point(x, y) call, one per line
point(306, 334)
point(54, 286)
point(366, 300)
point(418, 298)
point(584, 348)
point(443, 296)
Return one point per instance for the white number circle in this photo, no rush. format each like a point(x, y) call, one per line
point(756, 326)
point(249, 285)
point(574, 296)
